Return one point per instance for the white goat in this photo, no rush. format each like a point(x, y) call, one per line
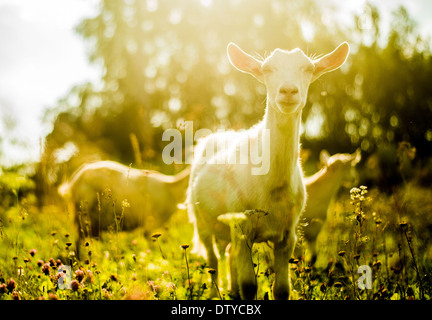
point(229, 202)
point(321, 189)
point(151, 197)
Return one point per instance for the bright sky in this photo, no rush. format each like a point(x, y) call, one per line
point(41, 58)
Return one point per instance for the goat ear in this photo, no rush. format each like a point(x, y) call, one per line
point(324, 157)
point(356, 157)
point(243, 61)
point(331, 61)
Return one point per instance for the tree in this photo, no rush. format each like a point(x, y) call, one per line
point(165, 62)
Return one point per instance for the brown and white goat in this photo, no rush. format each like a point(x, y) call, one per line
point(322, 188)
point(100, 192)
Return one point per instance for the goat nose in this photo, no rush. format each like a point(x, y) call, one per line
point(289, 89)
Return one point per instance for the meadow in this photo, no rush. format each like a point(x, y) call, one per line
point(390, 234)
point(163, 64)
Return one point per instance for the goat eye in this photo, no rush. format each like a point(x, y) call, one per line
point(308, 69)
point(267, 69)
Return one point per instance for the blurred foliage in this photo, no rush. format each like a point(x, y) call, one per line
point(16, 189)
point(165, 62)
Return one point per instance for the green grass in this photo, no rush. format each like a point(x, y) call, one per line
point(389, 233)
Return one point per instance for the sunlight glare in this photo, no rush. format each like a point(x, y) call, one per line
point(307, 30)
point(206, 3)
point(313, 127)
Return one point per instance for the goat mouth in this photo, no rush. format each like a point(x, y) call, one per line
point(288, 103)
point(288, 107)
point(288, 100)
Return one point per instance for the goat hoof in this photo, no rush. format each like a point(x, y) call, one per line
point(248, 291)
point(281, 295)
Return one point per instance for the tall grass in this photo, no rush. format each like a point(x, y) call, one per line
point(388, 233)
